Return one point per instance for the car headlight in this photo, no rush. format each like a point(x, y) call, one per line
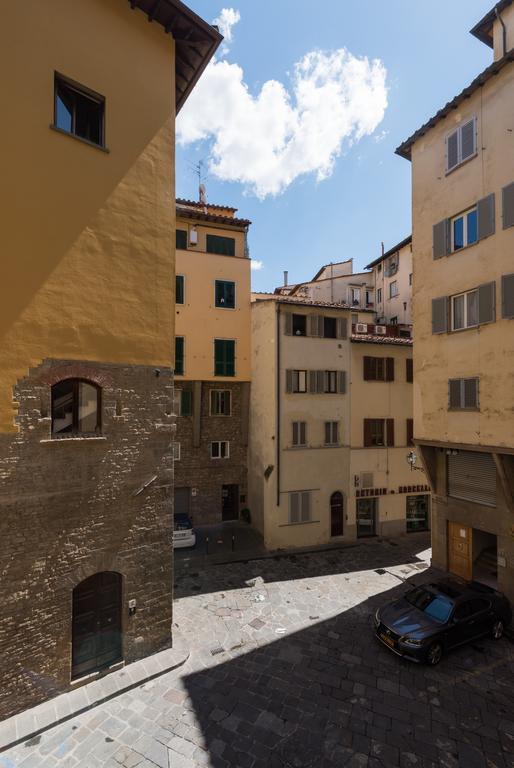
point(412, 641)
point(377, 617)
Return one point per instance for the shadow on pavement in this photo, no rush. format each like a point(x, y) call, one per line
point(331, 695)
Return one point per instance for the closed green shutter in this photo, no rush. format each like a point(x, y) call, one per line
point(225, 246)
point(186, 403)
point(181, 239)
point(179, 355)
point(179, 289)
point(224, 357)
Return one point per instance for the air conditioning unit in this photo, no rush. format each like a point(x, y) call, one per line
point(381, 329)
point(361, 328)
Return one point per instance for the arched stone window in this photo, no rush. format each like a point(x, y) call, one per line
point(76, 408)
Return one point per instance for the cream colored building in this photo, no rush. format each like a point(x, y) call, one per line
point(392, 280)
point(329, 435)
point(463, 243)
point(213, 366)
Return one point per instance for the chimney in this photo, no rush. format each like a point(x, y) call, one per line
point(286, 277)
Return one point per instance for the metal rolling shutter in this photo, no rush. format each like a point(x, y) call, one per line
point(472, 477)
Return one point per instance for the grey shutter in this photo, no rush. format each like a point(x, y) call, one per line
point(467, 140)
point(328, 432)
point(295, 432)
point(312, 382)
point(508, 205)
point(315, 325)
point(303, 432)
point(342, 328)
point(440, 315)
point(294, 508)
point(507, 295)
point(485, 216)
point(305, 506)
point(454, 390)
point(486, 303)
point(472, 477)
point(470, 387)
point(289, 381)
point(341, 382)
point(441, 239)
point(452, 150)
point(320, 382)
point(288, 324)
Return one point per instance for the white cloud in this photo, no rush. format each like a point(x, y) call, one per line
point(227, 19)
point(381, 136)
point(256, 265)
point(266, 141)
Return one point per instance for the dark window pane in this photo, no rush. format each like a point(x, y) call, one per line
point(458, 234)
point(225, 294)
point(179, 355)
point(225, 246)
point(79, 113)
point(63, 111)
point(299, 325)
point(181, 239)
point(179, 289)
point(62, 407)
point(224, 357)
point(472, 227)
point(329, 327)
point(88, 119)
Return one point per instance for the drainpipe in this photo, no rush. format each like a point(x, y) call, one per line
point(504, 31)
point(278, 409)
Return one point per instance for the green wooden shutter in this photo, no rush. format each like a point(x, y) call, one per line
point(181, 239)
point(454, 393)
point(368, 369)
point(179, 355)
point(320, 382)
point(230, 358)
point(219, 359)
point(225, 246)
point(179, 289)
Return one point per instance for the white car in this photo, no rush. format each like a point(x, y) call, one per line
point(183, 531)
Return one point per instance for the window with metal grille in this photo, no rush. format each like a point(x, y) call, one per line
point(461, 144)
point(331, 433)
point(463, 394)
point(179, 355)
point(221, 402)
point(299, 507)
point(179, 289)
point(299, 433)
point(78, 110)
point(224, 246)
point(225, 294)
point(220, 449)
point(224, 357)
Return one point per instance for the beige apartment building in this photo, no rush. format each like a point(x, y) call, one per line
point(213, 366)
point(330, 424)
point(463, 243)
point(392, 282)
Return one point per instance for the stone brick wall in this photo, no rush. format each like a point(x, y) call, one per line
point(196, 469)
point(69, 508)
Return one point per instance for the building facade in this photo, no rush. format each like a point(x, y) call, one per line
point(463, 236)
point(330, 425)
point(86, 315)
point(392, 281)
point(213, 365)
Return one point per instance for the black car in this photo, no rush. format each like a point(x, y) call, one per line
point(430, 619)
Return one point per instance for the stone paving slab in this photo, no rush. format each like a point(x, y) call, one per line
point(30, 724)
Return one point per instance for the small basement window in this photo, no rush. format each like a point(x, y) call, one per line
point(76, 408)
point(79, 111)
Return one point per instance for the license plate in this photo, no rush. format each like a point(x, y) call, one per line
point(178, 535)
point(386, 639)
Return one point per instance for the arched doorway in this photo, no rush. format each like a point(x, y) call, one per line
point(96, 624)
point(336, 514)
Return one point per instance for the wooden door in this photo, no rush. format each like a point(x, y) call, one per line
point(96, 626)
point(336, 514)
point(460, 561)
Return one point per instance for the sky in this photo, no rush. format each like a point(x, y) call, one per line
point(297, 118)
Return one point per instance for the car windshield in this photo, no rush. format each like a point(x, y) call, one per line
point(435, 606)
point(182, 523)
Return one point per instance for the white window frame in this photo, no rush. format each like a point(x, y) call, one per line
point(465, 294)
point(217, 392)
point(304, 507)
point(176, 452)
point(464, 217)
point(458, 131)
point(219, 443)
point(396, 292)
point(297, 434)
point(333, 427)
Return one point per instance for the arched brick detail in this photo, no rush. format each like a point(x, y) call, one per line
point(75, 371)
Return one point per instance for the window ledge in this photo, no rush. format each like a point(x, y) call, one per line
point(79, 138)
point(458, 410)
point(74, 439)
point(303, 522)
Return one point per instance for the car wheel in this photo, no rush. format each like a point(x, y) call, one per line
point(434, 654)
point(497, 629)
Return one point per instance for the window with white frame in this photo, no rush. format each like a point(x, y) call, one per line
point(393, 289)
point(461, 144)
point(331, 433)
point(299, 507)
point(464, 229)
point(464, 310)
point(221, 402)
point(176, 451)
point(299, 433)
point(220, 449)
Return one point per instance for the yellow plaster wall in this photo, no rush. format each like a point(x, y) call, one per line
point(486, 351)
point(198, 320)
point(87, 245)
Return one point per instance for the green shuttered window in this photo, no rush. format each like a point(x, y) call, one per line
point(179, 355)
point(181, 239)
point(225, 294)
point(225, 246)
point(179, 289)
point(224, 357)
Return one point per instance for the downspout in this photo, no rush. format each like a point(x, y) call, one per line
point(504, 31)
point(278, 409)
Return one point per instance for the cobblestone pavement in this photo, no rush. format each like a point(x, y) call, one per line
point(284, 672)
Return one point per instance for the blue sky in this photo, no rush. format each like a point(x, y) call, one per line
point(428, 56)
